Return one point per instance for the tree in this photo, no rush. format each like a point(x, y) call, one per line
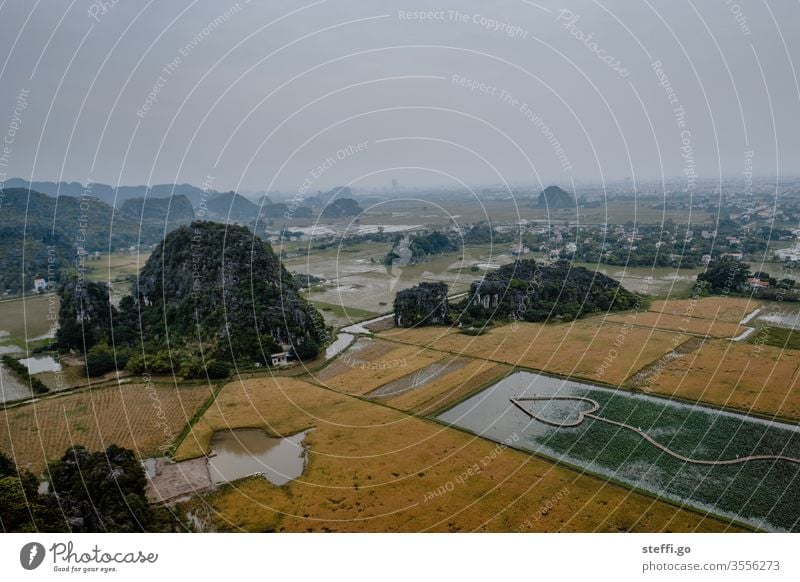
point(101, 491)
point(22, 508)
point(724, 275)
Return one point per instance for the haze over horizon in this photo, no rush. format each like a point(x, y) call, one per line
point(273, 97)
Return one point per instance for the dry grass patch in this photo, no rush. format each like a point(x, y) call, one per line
point(730, 309)
point(758, 378)
point(128, 415)
point(420, 336)
point(450, 388)
point(364, 369)
point(372, 468)
point(693, 325)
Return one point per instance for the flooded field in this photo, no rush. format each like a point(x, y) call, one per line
point(690, 454)
point(39, 364)
point(244, 452)
point(418, 379)
point(12, 389)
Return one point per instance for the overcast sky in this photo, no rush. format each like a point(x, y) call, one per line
point(256, 95)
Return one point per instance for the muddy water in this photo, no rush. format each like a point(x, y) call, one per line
point(244, 452)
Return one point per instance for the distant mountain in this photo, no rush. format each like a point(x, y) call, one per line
point(229, 206)
point(108, 194)
point(166, 213)
point(56, 234)
point(341, 208)
point(554, 197)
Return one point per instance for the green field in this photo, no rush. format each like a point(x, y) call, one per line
point(763, 493)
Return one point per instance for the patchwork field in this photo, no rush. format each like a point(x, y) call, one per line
point(754, 378)
point(135, 416)
point(691, 454)
point(692, 325)
point(372, 363)
point(729, 309)
point(372, 468)
point(450, 388)
point(572, 349)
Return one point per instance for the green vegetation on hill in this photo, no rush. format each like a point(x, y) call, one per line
point(88, 492)
point(527, 291)
point(169, 213)
point(55, 236)
point(424, 304)
point(341, 208)
point(210, 296)
point(434, 243)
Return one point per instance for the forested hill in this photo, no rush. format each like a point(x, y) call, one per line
point(527, 291)
point(220, 281)
point(53, 231)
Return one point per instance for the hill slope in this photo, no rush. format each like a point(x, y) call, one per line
point(220, 282)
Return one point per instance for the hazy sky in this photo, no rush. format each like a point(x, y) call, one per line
point(256, 95)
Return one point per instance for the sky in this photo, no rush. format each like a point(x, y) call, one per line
point(303, 96)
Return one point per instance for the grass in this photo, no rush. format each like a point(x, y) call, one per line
point(372, 468)
point(348, 313)
point(779, 337)
point(450, 388)
point(131, 415)
point(25, 318)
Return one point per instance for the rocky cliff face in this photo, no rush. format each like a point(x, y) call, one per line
point(527, 291)
point(221, 281)
point(425, 304)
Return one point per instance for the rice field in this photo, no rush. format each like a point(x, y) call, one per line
point(762, 493)
point(375, 469)
point(579, 348)
point(142, 417)
point(752, 378)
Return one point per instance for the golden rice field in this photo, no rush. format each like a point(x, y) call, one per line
point(719, 308)
point(450, 388)
point(372, 468)
point(689, 325)
point(572, 349)
point(135, 416)
point(754, 378)
point(362, 370)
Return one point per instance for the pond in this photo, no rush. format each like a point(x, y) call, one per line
point(39, 364)
point(243, 452)
point(690, 454)
point(12, 389)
